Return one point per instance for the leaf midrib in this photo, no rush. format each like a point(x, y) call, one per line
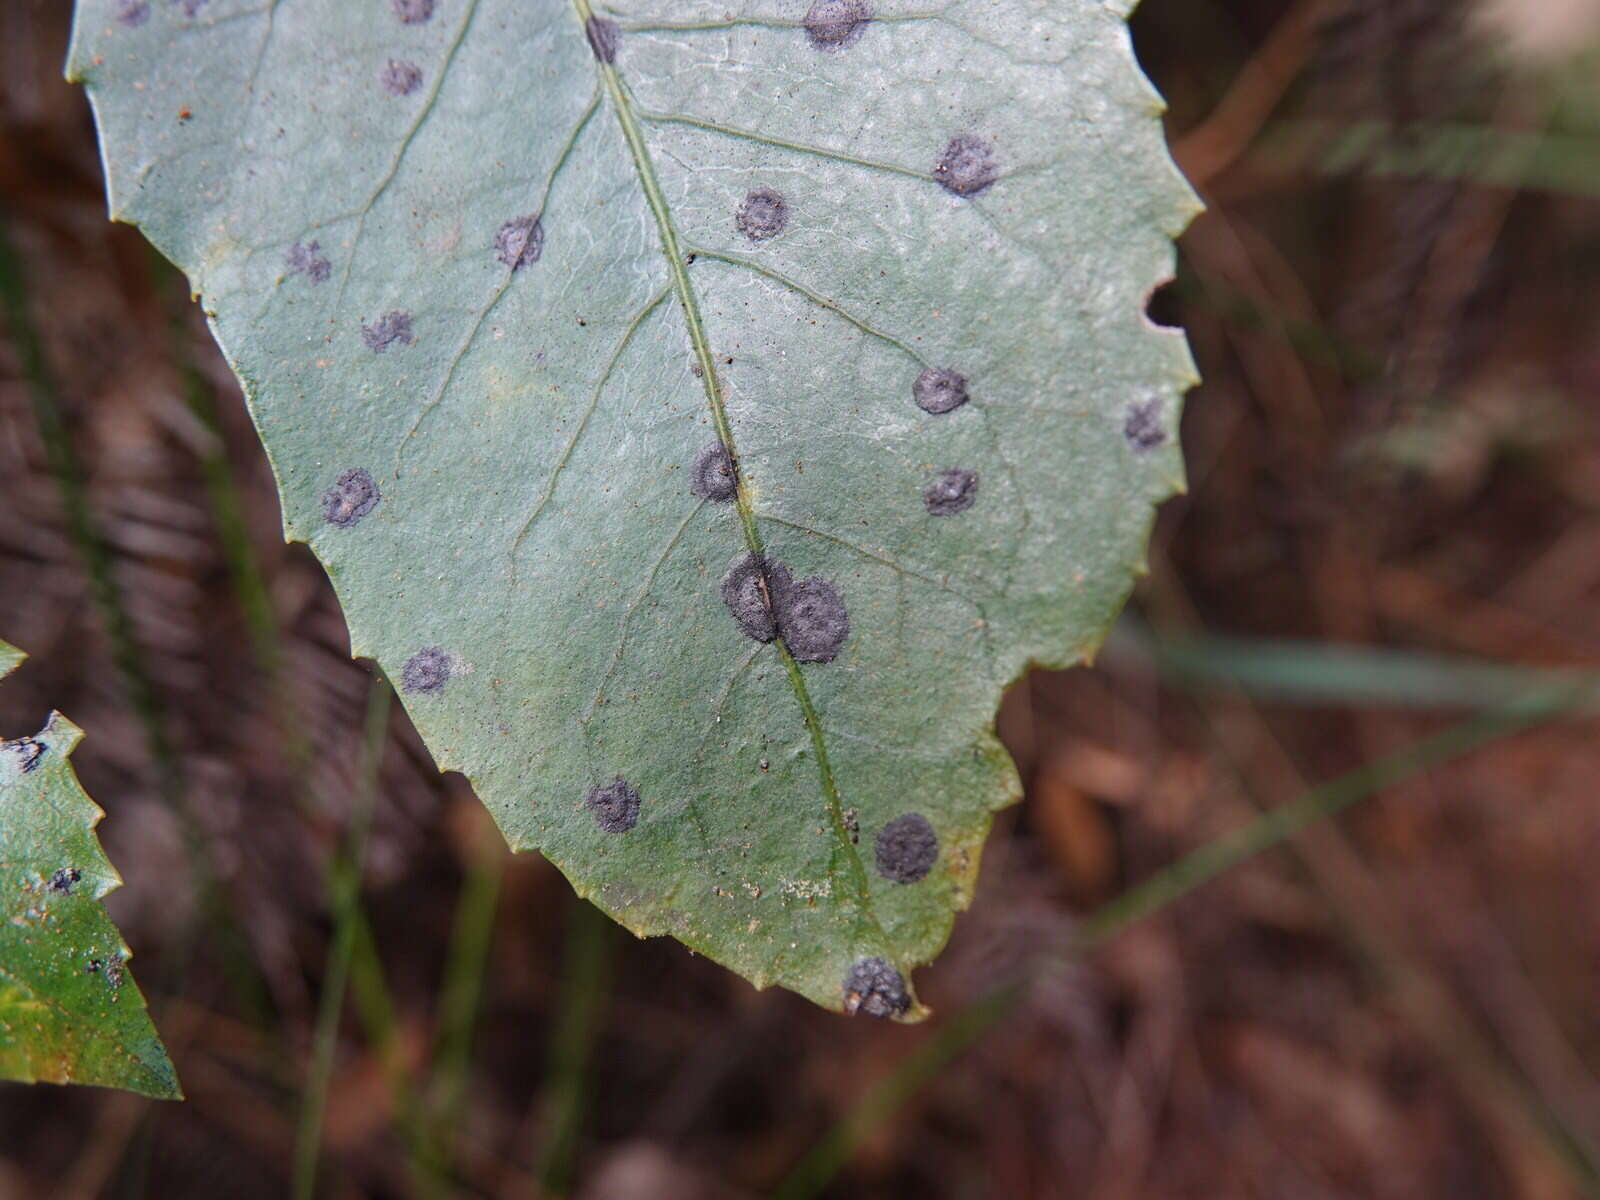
point(844, 846)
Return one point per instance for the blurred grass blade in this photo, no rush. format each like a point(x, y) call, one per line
point(968, 1025)
point(1320, 674)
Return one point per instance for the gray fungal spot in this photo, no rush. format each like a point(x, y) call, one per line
point(615, 806)
point(952, 491)
point(906, 848)
point(412, 12)
point(62, 880)
point(305, 258)
point(747, 591)
point(763, 215)
point(426, 671)
point(394, 326)
point(939, 390)
point(400, 78)
point(520, 242)
point(712, 476)
point(811, 616)
point(1142, 425)
point(835, 24)
point(353, 495)
point(132, 12)
point(873, 987)
point(603, 37)
point(967, 166)
point(26, 750)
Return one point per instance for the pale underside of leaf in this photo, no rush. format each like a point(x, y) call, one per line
point(69, 1009)
point(496, 273)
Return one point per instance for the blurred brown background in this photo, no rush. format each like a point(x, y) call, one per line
point(1393, 300)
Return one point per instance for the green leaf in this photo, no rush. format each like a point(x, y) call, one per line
point(69, 1009)
point(498, 275)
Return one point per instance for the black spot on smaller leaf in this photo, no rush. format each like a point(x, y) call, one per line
point(394, 326)
point(967, 166)
point(305, 258)
point(520, 241)
point(747, 591)
point(835, 24)
point(763, 215)
point(615, 806)
point(952, 491)
point(400, 78)
point(712, 476)
point(873, 987)
point(353, 495)
point(811, 616)
point(132, 12)
point(906, 848)
point(1142, 425)
point(426, 671)
point(62, 880)
point(26, 750)
point(603, 37)
point(939, 390)
point(412, 12)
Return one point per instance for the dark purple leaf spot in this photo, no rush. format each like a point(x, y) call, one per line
point(968, 165)
point(712, 476)
point(835, 24)
point(305, 258)
point(939, 390)
point(400, 78)
point(191, 8)
point(906, 848)
point(26, 750)
point(747, 591)
point(520, 242)
point(353, 495)
point(62, 880)
point(392, 327)
point(603, 36)
point(952, 491)
point(412, 12)
point(426, 671)
point(1142, 425)
point(873, 987)
point(615, 806)
point(133, 12)
point(763, 215)
point(811, 617)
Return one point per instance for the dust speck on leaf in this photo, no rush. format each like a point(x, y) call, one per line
point(968, 165)
point(747, 591)
point(353, 495)
point(426, 671)
point(811, 617)
point(873, 987)
point(1142, 425)
point(952, 491)
point(763, 215)
point(306, 258)
point(400, 78)
point(603, 37)
point(61, 881)
point(412, 12)
point(132, 12)
point(835, 24)
point(906, 848)
point(26, 750)
point(939, 390)
point(712, 476)
point(394, 326)
point(615, 806)
point(520, 241)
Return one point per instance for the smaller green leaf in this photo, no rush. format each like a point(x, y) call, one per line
point(69, 1010)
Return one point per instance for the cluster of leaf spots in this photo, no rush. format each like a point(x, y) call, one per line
point(767, 601)
point(306, 258)
point(425, 672)
point(391, 328)
point(353, 495)
point(1142, 425)
point(874, 987)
